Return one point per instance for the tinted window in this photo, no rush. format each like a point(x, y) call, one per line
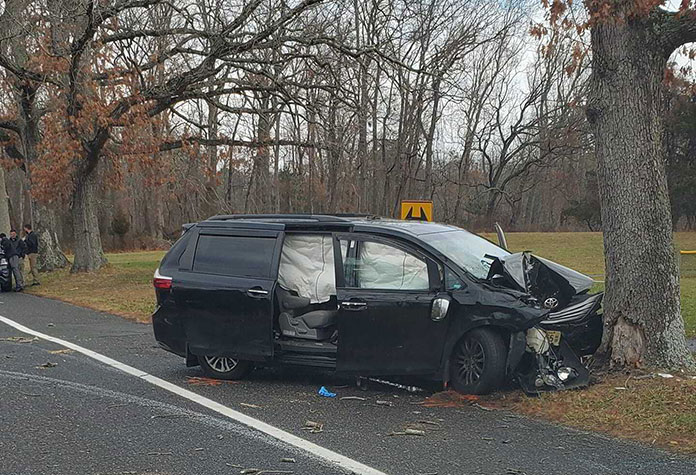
point(234, 255)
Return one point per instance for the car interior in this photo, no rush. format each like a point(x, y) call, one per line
point(306, 291)
point(307, 307)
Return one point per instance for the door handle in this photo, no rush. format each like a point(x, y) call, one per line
point(354, 305)
point(257, 292)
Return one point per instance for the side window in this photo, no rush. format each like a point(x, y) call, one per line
point(381, 266)
point(452, 282)
point(234, 255)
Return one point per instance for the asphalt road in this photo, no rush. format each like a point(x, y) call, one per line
point(81, 416)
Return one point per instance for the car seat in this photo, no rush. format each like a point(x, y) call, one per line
point(300, 319)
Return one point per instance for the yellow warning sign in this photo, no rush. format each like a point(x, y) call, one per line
point(417, 210)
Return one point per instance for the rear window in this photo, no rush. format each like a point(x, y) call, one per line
point(234, 255)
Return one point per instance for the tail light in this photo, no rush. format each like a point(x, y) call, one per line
point(161, 282)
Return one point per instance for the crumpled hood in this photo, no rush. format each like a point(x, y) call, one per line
point(542, 278)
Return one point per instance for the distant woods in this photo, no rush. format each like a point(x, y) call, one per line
point(121, 120)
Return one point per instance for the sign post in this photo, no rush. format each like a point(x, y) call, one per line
point(417, 210)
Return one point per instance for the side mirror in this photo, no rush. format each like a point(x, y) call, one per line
point(439, 310)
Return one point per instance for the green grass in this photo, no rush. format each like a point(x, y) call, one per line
point(123, 287)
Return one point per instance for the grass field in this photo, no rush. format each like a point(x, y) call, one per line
point(647, 408)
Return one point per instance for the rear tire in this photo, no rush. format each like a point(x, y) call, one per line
point(7, 286)
point(477, 363)
point(223, 367)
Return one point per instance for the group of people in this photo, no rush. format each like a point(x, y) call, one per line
point(16, 249)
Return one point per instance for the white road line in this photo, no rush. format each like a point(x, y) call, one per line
point(318, 451)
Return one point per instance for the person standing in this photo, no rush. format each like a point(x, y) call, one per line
point(15, 252)
point(32, 244)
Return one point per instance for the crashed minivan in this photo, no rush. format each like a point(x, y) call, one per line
point(371, 297)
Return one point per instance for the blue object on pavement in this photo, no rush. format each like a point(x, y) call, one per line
point(325, 392)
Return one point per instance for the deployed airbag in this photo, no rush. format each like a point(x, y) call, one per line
point(386, 267)
point(307, 266)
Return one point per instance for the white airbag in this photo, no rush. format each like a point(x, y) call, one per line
point(307, 266)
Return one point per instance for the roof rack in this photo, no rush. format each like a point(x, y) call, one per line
point(322, 218)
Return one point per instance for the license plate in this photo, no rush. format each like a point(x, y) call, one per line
point(554, 337)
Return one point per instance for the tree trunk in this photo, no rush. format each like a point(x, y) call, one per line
point(626, 108)
point(89, 255)
point(51, 256)
point(4, 205)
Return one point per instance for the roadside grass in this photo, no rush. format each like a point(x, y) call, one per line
point(123, 287)
point(653, 410)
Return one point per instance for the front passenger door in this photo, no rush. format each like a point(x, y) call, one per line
point(385, 297)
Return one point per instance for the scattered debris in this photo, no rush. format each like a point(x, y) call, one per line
point(50, 325)
point(384, 403)
point(620, 388)
point(665, 375)
point(288, 460)
point(411, 389)
point(325, 392)
point(487, 438)
point(449, 399)
point(484, 408)
point(200, 381)
point(430, 423)
point(259, 471)
point(64, 351)
point(417, 432)
point(251, 406)
point(353, 398)
point(47, 364)
point(20, 339)
point(198, 449)
point(313, 427)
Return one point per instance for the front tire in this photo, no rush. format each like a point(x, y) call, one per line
point(477, 364)
point(223, 367)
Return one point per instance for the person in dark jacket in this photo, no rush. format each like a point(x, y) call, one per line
point(32, 245)
point(15, 252)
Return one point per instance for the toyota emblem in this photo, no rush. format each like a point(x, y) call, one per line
point(551, 303)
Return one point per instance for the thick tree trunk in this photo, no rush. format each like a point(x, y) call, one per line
point(89, 255)
point(51, 256)
point(626, 108)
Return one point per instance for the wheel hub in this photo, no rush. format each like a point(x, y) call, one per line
point(221, 364)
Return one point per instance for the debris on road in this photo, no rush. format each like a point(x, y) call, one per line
point(384, 403)
point(201, 381)
point(353, 398)
point(411, 389)
point(313, 427)
point(64, 351)
point(20, 339)
point(417, 432)
point(47, 364)
point(251, 406)
point(260, 471)
point(325, 392)
point(288, 460)
point(449, 399)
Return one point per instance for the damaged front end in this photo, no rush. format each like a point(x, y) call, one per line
point(549, 355)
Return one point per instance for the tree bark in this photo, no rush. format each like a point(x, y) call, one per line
point(626, 107)
point(4, 205)
point(89, 255)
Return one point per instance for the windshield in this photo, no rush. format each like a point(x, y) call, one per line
point(466, 249)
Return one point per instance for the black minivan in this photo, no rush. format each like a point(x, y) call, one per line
point(367, 296)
